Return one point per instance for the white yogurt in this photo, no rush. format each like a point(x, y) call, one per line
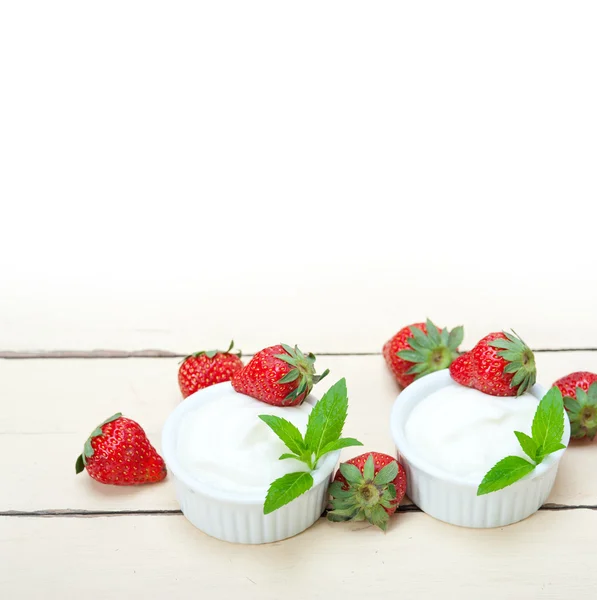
point(464, 432)
point(224, 443)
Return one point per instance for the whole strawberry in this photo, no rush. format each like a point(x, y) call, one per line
point(421, 349)
point(205, 368)
point(119, 453)
point(580, 400)
point(501, 364)
point(367, 487)
point(278, 375)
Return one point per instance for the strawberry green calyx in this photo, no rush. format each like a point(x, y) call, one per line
point(432, 351)
point(582, 413)
point(303, 371)
point(520, 359)
point(212, 353)
point(368, 495)
point(88, 448)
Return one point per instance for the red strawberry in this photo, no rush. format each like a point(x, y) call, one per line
point(119, 453)
point(202, 369)
point(278, 375)
point(367, 487)
point(501, 364)
point(580, 399)
point(421, 349)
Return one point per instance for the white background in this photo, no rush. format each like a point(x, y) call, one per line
point(175, 174)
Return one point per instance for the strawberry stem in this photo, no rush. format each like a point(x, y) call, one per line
point(521, 361)
point(88, 448)
point(364, 496)
point(212, 353)
point(582, 413)
point(431, 351)
point(302, 370)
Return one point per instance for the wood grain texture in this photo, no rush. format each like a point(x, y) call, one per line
point(352, 306)
point(50, 406)
point(419, 557)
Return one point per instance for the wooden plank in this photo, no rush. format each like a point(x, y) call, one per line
point(71, 395)
point(204, 313)
point(52, 405)
point(161, 557)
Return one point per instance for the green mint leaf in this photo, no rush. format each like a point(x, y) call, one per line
point(539, 456)
point(285, 490)
point(308, 458)
point(551, 448)
point(528, 444)
point(387, 474)
point(286, 431)
point(327, 418)
point(338, 445)
point(284, 456)
point(548, 423)
point(504, 473)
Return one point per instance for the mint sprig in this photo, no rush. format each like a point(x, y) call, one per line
point(547, 431)
point(323, 435)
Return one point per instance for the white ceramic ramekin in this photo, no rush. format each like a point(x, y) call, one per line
point(453, 499)
point(235, 517)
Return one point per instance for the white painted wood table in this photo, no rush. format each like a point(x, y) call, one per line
point(65, 536)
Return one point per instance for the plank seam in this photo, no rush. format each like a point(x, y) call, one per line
point(410, 508)
point(119, 354)
point(88, 513)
